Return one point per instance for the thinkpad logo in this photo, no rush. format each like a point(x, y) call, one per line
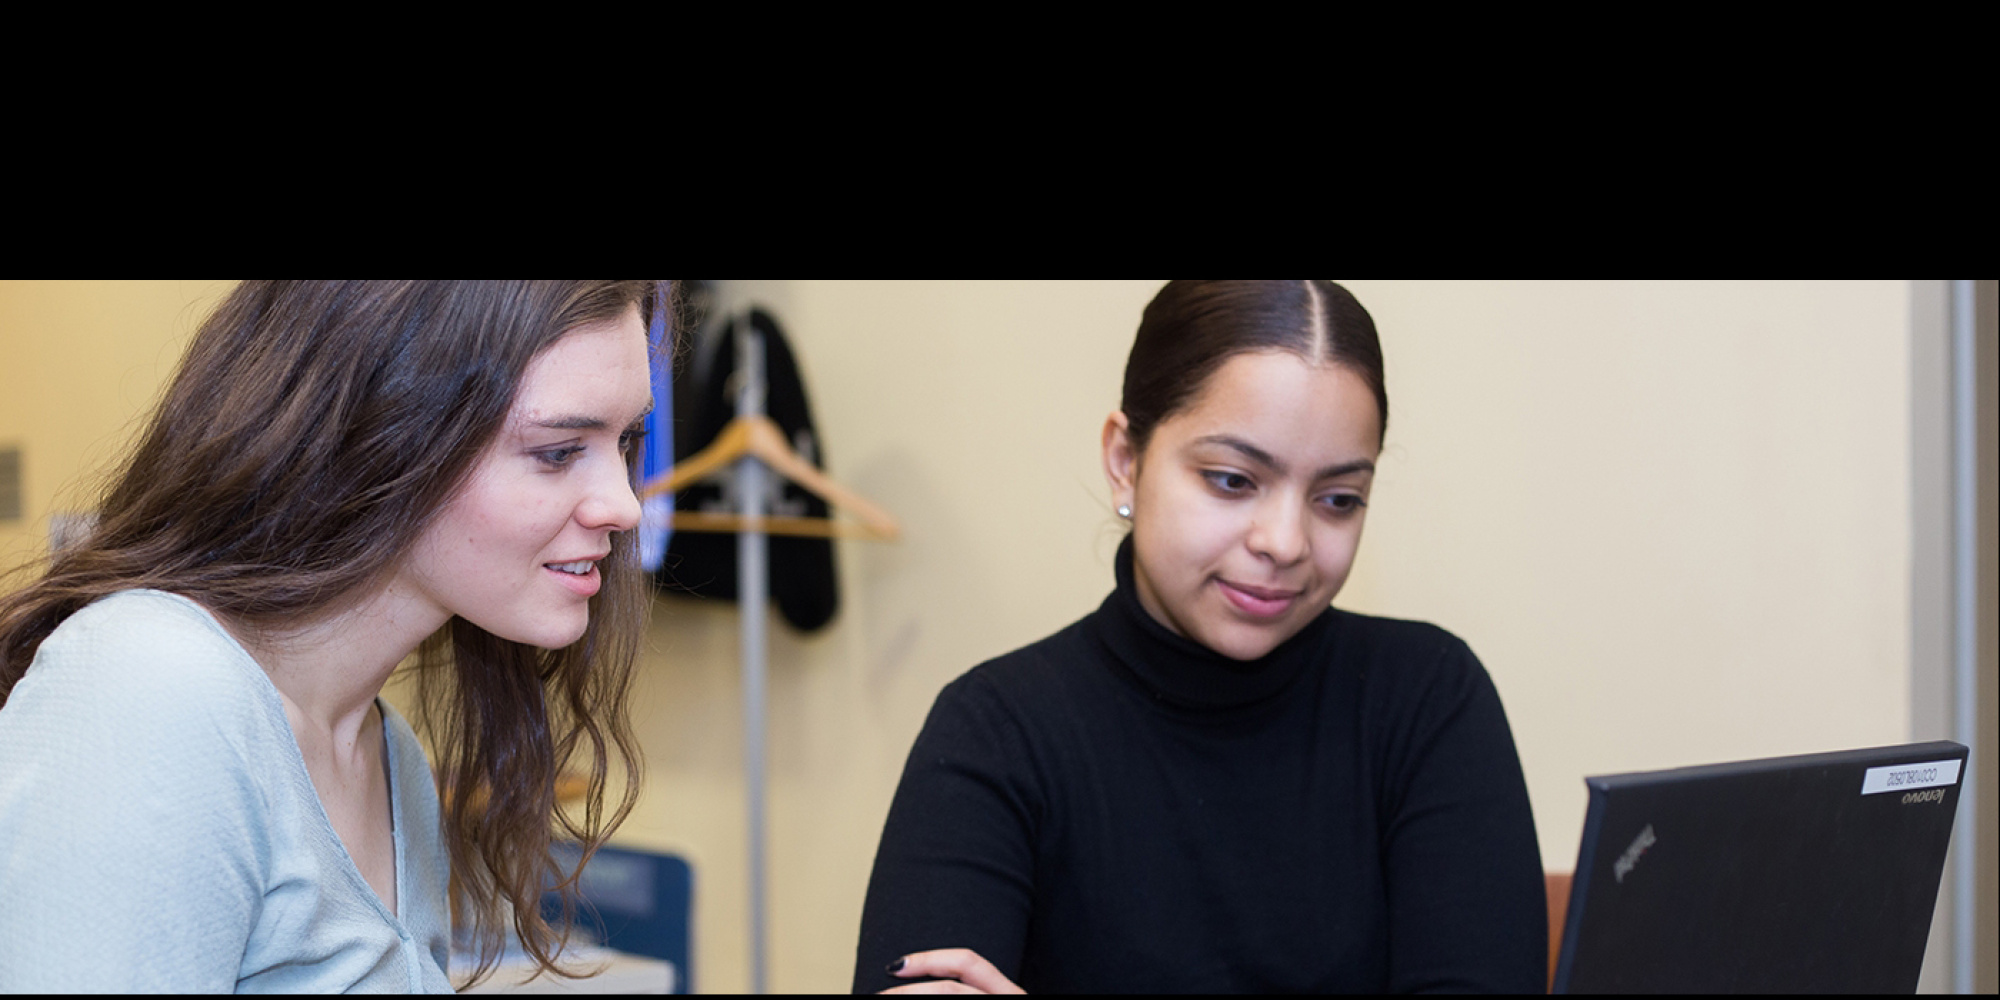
point(1631, 855)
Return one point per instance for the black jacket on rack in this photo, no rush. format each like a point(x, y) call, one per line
point(804, 584)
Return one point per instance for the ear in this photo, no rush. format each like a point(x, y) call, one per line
point(1121, 462)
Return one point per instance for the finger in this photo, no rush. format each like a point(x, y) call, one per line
point(962, 964)
point(935, 986)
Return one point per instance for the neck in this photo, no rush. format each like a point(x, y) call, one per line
point(330, 671)
point(1179, 671)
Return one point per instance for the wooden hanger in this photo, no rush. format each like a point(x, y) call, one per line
point(760, 438)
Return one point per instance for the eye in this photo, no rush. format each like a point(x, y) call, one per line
point(1344, 503)
point(557, 458)
point(1227, 482)
point(631, 439)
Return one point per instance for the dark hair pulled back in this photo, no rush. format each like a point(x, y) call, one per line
point(1192, 327)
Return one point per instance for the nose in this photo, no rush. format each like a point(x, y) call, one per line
point(610, 504)
point(1278, 532)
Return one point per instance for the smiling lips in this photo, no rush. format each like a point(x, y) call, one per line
point(1258, 602)
point(580, 576)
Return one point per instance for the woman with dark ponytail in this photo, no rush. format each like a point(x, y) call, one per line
point(1217, 782)
point(200, 789)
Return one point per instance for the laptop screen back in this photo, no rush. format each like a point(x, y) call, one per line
point(1816, 873)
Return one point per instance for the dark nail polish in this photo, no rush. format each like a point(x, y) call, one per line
point(896, 966)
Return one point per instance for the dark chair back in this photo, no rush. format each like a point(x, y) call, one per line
point(634, 901)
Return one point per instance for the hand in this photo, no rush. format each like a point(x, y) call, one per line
point(956, 970)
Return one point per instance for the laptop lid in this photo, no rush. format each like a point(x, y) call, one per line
point(1815, 873)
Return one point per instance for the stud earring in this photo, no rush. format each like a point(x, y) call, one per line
point(1125, 511)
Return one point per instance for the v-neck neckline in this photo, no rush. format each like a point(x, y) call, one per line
point(275, 702)
point(326, 822)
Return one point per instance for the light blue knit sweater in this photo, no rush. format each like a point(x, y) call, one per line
point(159, 833)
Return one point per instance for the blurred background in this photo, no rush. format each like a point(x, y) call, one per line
point(1680, 522)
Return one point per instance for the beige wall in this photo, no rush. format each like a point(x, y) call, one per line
point(80, 363)
point(1673, 520)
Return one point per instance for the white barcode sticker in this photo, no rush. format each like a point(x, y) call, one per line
point(1903, 777)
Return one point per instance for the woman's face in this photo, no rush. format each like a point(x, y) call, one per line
point(1247, 504)
point(516, 551)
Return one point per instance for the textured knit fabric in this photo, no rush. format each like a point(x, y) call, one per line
point(159, 832)
point(1118, 809)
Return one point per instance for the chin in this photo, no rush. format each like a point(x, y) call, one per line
point(559, 644)
point(548, 633)
point(566, 638)
point(1246, 641)
point(1245, 645)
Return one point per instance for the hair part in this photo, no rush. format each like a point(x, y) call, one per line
point(1192, 327)
point(313, 431)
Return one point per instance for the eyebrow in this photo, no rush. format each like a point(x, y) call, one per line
point(1270, 461)
point(570, 423)
point(582, 422)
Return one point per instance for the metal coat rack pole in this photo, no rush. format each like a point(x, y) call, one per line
point(753, 593)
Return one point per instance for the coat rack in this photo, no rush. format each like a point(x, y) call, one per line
point(757, 448)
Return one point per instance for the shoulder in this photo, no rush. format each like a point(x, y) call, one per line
point(139, 645)
point(137, 797)
point(1400, 658)
point(1048, 673)
point(1053, 658)
point(1013, 710)
point(1396, 637)
point(1425, 705)
point(1414, 683)
point(143, 683)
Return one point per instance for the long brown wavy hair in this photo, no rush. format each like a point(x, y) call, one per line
point(313, 431)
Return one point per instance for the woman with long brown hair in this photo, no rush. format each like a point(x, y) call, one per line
point(200, 787)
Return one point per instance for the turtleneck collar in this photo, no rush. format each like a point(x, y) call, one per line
point(1184, 673)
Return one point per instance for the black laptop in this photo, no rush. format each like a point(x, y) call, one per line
point(1803, 874)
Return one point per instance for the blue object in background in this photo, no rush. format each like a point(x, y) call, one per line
point(656, 517)
point(638, 902)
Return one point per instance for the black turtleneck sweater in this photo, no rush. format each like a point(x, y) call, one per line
point(1118, 809)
